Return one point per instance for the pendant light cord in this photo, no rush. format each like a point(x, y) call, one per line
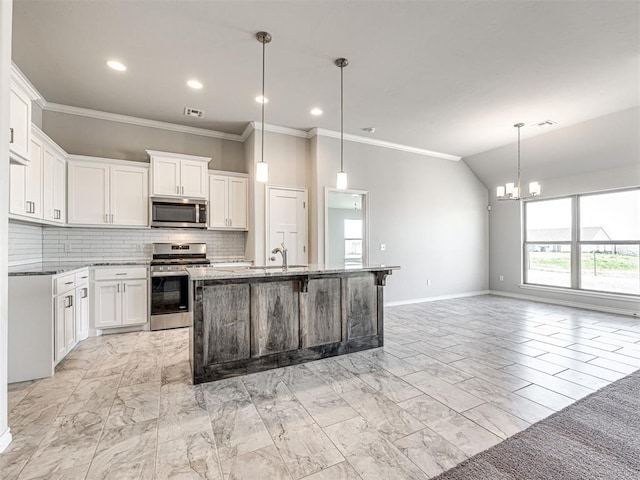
point(263, 101)
point(519, 191)
point(342, 118)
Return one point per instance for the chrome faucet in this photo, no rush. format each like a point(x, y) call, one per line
point(282, 251)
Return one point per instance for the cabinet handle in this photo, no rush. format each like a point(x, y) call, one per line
point(182, 190)
point(68, 283)
point(178, 189)
point(56, 214)
point(124, 287)
point(231, 222)
point(121, 273)
point(118, 288)
point(85, 293)
point(68, 301)
point(11, 135)
point(106, 218)
point(112, 218)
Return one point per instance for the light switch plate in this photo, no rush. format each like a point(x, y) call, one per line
point(383, 247)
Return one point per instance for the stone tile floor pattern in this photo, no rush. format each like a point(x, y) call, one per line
point(454, 378)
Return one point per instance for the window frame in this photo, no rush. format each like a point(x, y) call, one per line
point(575, 243)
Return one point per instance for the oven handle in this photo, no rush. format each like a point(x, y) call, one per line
point(169, 274)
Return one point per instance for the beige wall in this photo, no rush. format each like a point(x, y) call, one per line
point(430, 213)
point(104, 138)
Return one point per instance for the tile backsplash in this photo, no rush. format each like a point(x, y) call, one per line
point(55, 244)
point(25, 243)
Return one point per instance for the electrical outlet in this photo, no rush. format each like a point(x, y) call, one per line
point(501, 278)
point(383, 247)
point(67, 247)
point(428, 283)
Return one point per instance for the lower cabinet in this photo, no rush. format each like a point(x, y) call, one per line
point(120, 297)
point(64, 321)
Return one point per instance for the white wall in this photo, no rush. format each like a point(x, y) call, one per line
point(430, 213)
point(600, 154)
point(5, 69)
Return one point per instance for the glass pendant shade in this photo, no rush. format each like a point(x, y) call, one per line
point(500, 191)
point(534, 188)
point(262, 172)
point(341, 181)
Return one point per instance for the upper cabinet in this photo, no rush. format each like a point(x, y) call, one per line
point(228, 201)
point(21, 95)
point(37, 190)
point(176, 175)
point(107, 193)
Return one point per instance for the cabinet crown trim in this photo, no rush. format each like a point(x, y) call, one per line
point(113, 161)
point(180, 156)
point(23, 82)
point(228, 174)
point(46, 138)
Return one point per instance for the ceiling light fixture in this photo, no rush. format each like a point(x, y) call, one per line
point(316, 111)
point(341, 177)
point(195, 84)
point(262, 167)
point(116, 65)
point(512, 191)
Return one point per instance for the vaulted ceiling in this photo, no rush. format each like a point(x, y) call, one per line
point(450, 76)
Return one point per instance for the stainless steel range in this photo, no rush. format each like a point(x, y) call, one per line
point(170, 282)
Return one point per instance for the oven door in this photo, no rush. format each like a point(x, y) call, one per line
point(169, 293)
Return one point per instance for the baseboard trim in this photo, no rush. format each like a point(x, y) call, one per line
point(435, 299)
point(567, 303)
point(5, 439)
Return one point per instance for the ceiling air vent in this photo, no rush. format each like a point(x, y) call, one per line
point(193, 112)
point(546, 123)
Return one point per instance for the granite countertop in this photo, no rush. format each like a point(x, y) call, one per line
point(56, 268)
point(221, 273)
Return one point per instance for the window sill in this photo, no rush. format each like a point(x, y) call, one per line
point(582, 293)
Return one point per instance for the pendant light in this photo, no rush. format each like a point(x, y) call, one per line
point(512, 191)
point(262, 167)
point(341, 178)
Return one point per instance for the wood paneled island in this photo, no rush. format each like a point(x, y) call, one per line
point(247, 320)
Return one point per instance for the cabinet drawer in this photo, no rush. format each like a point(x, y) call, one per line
point(119, 273)
point(82, 277)
point(64, 284)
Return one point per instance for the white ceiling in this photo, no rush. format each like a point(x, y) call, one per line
point(450, 76)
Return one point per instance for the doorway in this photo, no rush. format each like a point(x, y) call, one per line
point(346, 228)
point(287, 223)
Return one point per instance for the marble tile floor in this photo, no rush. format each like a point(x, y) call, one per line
point(454, 378)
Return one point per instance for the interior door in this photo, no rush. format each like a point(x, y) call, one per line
point(287, 224)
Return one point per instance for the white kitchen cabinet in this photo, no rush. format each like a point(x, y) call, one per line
point(177, 175)
point(54, 184)
point(101, 193)
point(228, 201)
point(21, 94)
point(65, 326)
point(120, 297)
point(26, 184)
point(82, 304)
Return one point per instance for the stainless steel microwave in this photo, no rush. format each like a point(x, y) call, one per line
point(178, 213)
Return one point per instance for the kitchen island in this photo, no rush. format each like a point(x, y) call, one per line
point(248, 320)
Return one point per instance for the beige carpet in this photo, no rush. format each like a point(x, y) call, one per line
point(598, 437)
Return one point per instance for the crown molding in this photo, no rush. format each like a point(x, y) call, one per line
point(179, 156)
point(321, 132)
point(114, 161)
point(292, 132)
point(143, 122)
point(20, 78)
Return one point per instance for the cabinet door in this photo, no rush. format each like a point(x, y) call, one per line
point(33, 183)
point(194, 176)
point(218, 201)
point(82, 313)
point(166, 176)
point(70, 321)
point(88, 195)
point(59, 342)
point(108, 304)
point(18, 189)
point(54, 186)
point(129, 195)
point(238, 192)
point(20, 124)
point(134, 302)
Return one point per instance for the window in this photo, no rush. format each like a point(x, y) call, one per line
point(587, 242)
point(352, 241)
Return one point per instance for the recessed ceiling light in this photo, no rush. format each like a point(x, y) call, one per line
point(369, 129)
point(120, 67)
point(195, 84)
point(316, 111)
point(261, 99)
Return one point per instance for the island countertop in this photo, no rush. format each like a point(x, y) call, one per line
point(222, 273)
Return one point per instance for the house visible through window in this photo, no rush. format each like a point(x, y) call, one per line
point(587, 242)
